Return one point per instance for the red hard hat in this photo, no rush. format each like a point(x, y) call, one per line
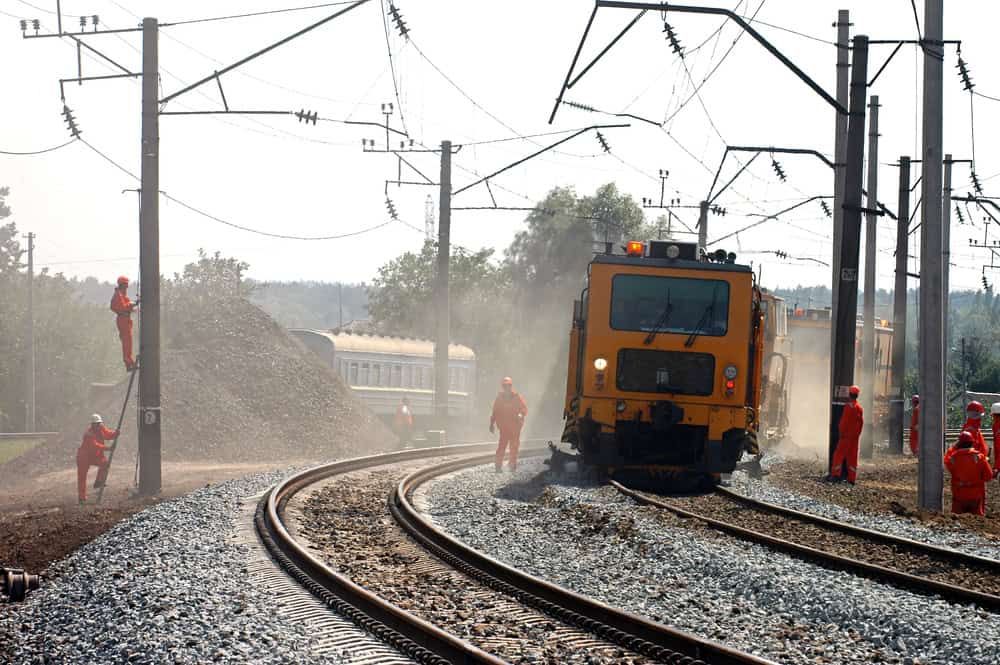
point(507, 381)
point(975, 407)
point(916, 399)
point(854, 390)
point(123, 280)
point(966, 437)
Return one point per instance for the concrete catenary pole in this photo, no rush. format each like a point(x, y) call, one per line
point(441, 291)
point(871, 254)
point(149, 260)
point(703, 226)
point(946, 269)
point(29, 401)
point(930, 476)
point(896, 401)
point(843, 25)
point(847, 282)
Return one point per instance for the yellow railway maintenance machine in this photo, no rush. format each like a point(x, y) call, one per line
point(664, 381)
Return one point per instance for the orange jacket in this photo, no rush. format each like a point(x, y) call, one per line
point(972, 427)
point(92, 447)
point(120, 303)
point(914, 426)
point(509, 410)
point(404, 416)
point(851, 421)
point(996, 454)
point(970, 471)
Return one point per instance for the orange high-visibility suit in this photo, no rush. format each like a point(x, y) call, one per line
point(403, 422)
point(852, 421)
point(509, 411)
point(91, 453)
point(914, 433)
point(970, 471)
point(979, 441)
point(122, 306)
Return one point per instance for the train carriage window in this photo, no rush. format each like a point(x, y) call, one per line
point(376, 374)
point(781, 317)
point(364, 375)
point(407, 376)
point(638, 303)
point(397, 375)
point(353, 380)
point(418, 373)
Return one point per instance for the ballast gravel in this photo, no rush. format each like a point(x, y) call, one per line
point(596, 542)
point(168, 585)
point(955, 538)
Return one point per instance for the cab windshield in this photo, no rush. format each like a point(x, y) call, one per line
point(696, 305)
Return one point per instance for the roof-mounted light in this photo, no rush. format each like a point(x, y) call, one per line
point(634, 248)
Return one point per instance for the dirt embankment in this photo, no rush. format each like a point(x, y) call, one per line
point(238, 395)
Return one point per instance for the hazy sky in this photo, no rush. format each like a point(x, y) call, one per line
point(277, 174)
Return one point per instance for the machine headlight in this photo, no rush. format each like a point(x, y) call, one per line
point(673, 251)
point(600, 364)
point(620, 406)
point(730, 372)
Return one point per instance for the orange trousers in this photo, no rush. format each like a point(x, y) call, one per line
point(510, 439)
point(125, 334)
point(82, 467)
point(914, 445)
point(975, 506)
point(845, 454)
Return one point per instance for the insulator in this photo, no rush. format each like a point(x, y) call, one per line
point(780, 172)
point(675, 45)
point(603, 142)
point(582, 107)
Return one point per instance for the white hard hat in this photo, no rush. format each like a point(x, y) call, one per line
point(96, 418)
point(995, 409)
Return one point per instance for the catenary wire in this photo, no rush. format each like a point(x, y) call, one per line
point(37, 152)
point(232, 224)
point(392, 65)
point(260, 13)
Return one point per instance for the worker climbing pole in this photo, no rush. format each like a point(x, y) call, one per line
point(100, 485)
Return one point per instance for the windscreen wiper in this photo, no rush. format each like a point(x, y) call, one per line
point(661, 323)
point(709, 310)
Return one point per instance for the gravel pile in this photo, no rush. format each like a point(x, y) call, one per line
point(168, 585)
point(954, 538)
point(597, 543)
point(236, 388)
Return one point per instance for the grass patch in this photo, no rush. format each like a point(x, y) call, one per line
point(11, 448)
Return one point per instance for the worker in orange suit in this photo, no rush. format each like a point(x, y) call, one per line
point(852, 421)
point(973, 425)
point(914, 425)
point(403, 422)
point(970, 471)
point(91, 453)
point(509, 410)
point(995, 412)
point(123, 307)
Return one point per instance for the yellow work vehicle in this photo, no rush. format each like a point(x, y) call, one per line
point(664, 378)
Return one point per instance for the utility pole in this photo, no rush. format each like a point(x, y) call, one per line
point(441, 291)
point(847, 281)
point(930, 475)
point(149, 267)
point(703, 225)
point(29, 421)
point(871, 240)
point(843, 25)
point(896, 402)
point(945, 266)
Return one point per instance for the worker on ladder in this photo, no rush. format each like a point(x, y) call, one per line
point(91, 453)
point(123, 308)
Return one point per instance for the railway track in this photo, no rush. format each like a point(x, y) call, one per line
point(426, 642)
point(955, 576)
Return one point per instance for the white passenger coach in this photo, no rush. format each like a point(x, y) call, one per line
point(382, 370)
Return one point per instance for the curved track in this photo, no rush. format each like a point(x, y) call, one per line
point(953, 575)
point(429, 644)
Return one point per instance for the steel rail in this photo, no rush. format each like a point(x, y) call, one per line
point(951, 555)
point(418, 639)
point(655, 640)
point(827, 559)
